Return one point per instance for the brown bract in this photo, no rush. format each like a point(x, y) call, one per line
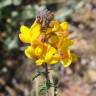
point(45, 19)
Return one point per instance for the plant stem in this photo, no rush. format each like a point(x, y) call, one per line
point(47, 76)
point(49, 80)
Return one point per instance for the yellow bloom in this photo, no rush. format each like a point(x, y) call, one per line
point(34, 51)
point(42, 53)
point(63, 48)
point(39, 61)
point(55, 58)
point(28, 35)
point(64, 43)
point(56, 26)
point(49, 56)
point(60, 29)
point(64, 26)
point(39, 50)
point(50, 52)
point(50, 45)
point(29, 52)
point(66, 58)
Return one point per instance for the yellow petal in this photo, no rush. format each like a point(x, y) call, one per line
point(29, 52)
point(64, 26)
point(29, 35)
point(25, 38)
point(39, 50)
point(56, 26)
point(53, 61)
point(35, 31)
point(25, 34)
point(66, 63)
point(50, 54)
point(24, 29)
point(39, 62)
point(64, 44)
point(67, 59)
point(56, 57)
point(67, 42)
point(33, 25)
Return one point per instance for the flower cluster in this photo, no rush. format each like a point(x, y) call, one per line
point(48, 40)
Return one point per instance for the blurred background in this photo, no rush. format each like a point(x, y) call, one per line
point(16, 70)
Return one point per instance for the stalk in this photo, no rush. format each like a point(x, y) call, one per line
point(47, 75)
point(48, 81)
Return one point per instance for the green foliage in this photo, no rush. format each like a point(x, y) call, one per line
point(35, 75)
point(46, 85)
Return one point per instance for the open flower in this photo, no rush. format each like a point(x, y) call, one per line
point(60, 29)
point(42, 53)
point(49, 42)
point(64, 44)
point(28, 35)
point(66, 58)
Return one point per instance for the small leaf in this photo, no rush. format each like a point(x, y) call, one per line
point(35, 76)
point(44, 87)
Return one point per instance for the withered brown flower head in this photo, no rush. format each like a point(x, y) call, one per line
point(45, 19)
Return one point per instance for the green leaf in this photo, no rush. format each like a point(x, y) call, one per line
point(35, 76)
point(44, 87)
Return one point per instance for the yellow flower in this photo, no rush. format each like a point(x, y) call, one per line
point(48, 46)
point(66, 58)
point(64, 26)
point(30, 52)
point(49, 56)
point(50, 53)
point(35, 50)
point(60, 29)
point(42, 53)
point(65, 54)
point(64, 43)
point(28, 35)
point(57, 35)
point(40, 61)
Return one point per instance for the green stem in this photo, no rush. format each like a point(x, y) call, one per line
point(47, 76)
point(48, 80)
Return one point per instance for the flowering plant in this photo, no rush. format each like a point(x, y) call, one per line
point(48, 41)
